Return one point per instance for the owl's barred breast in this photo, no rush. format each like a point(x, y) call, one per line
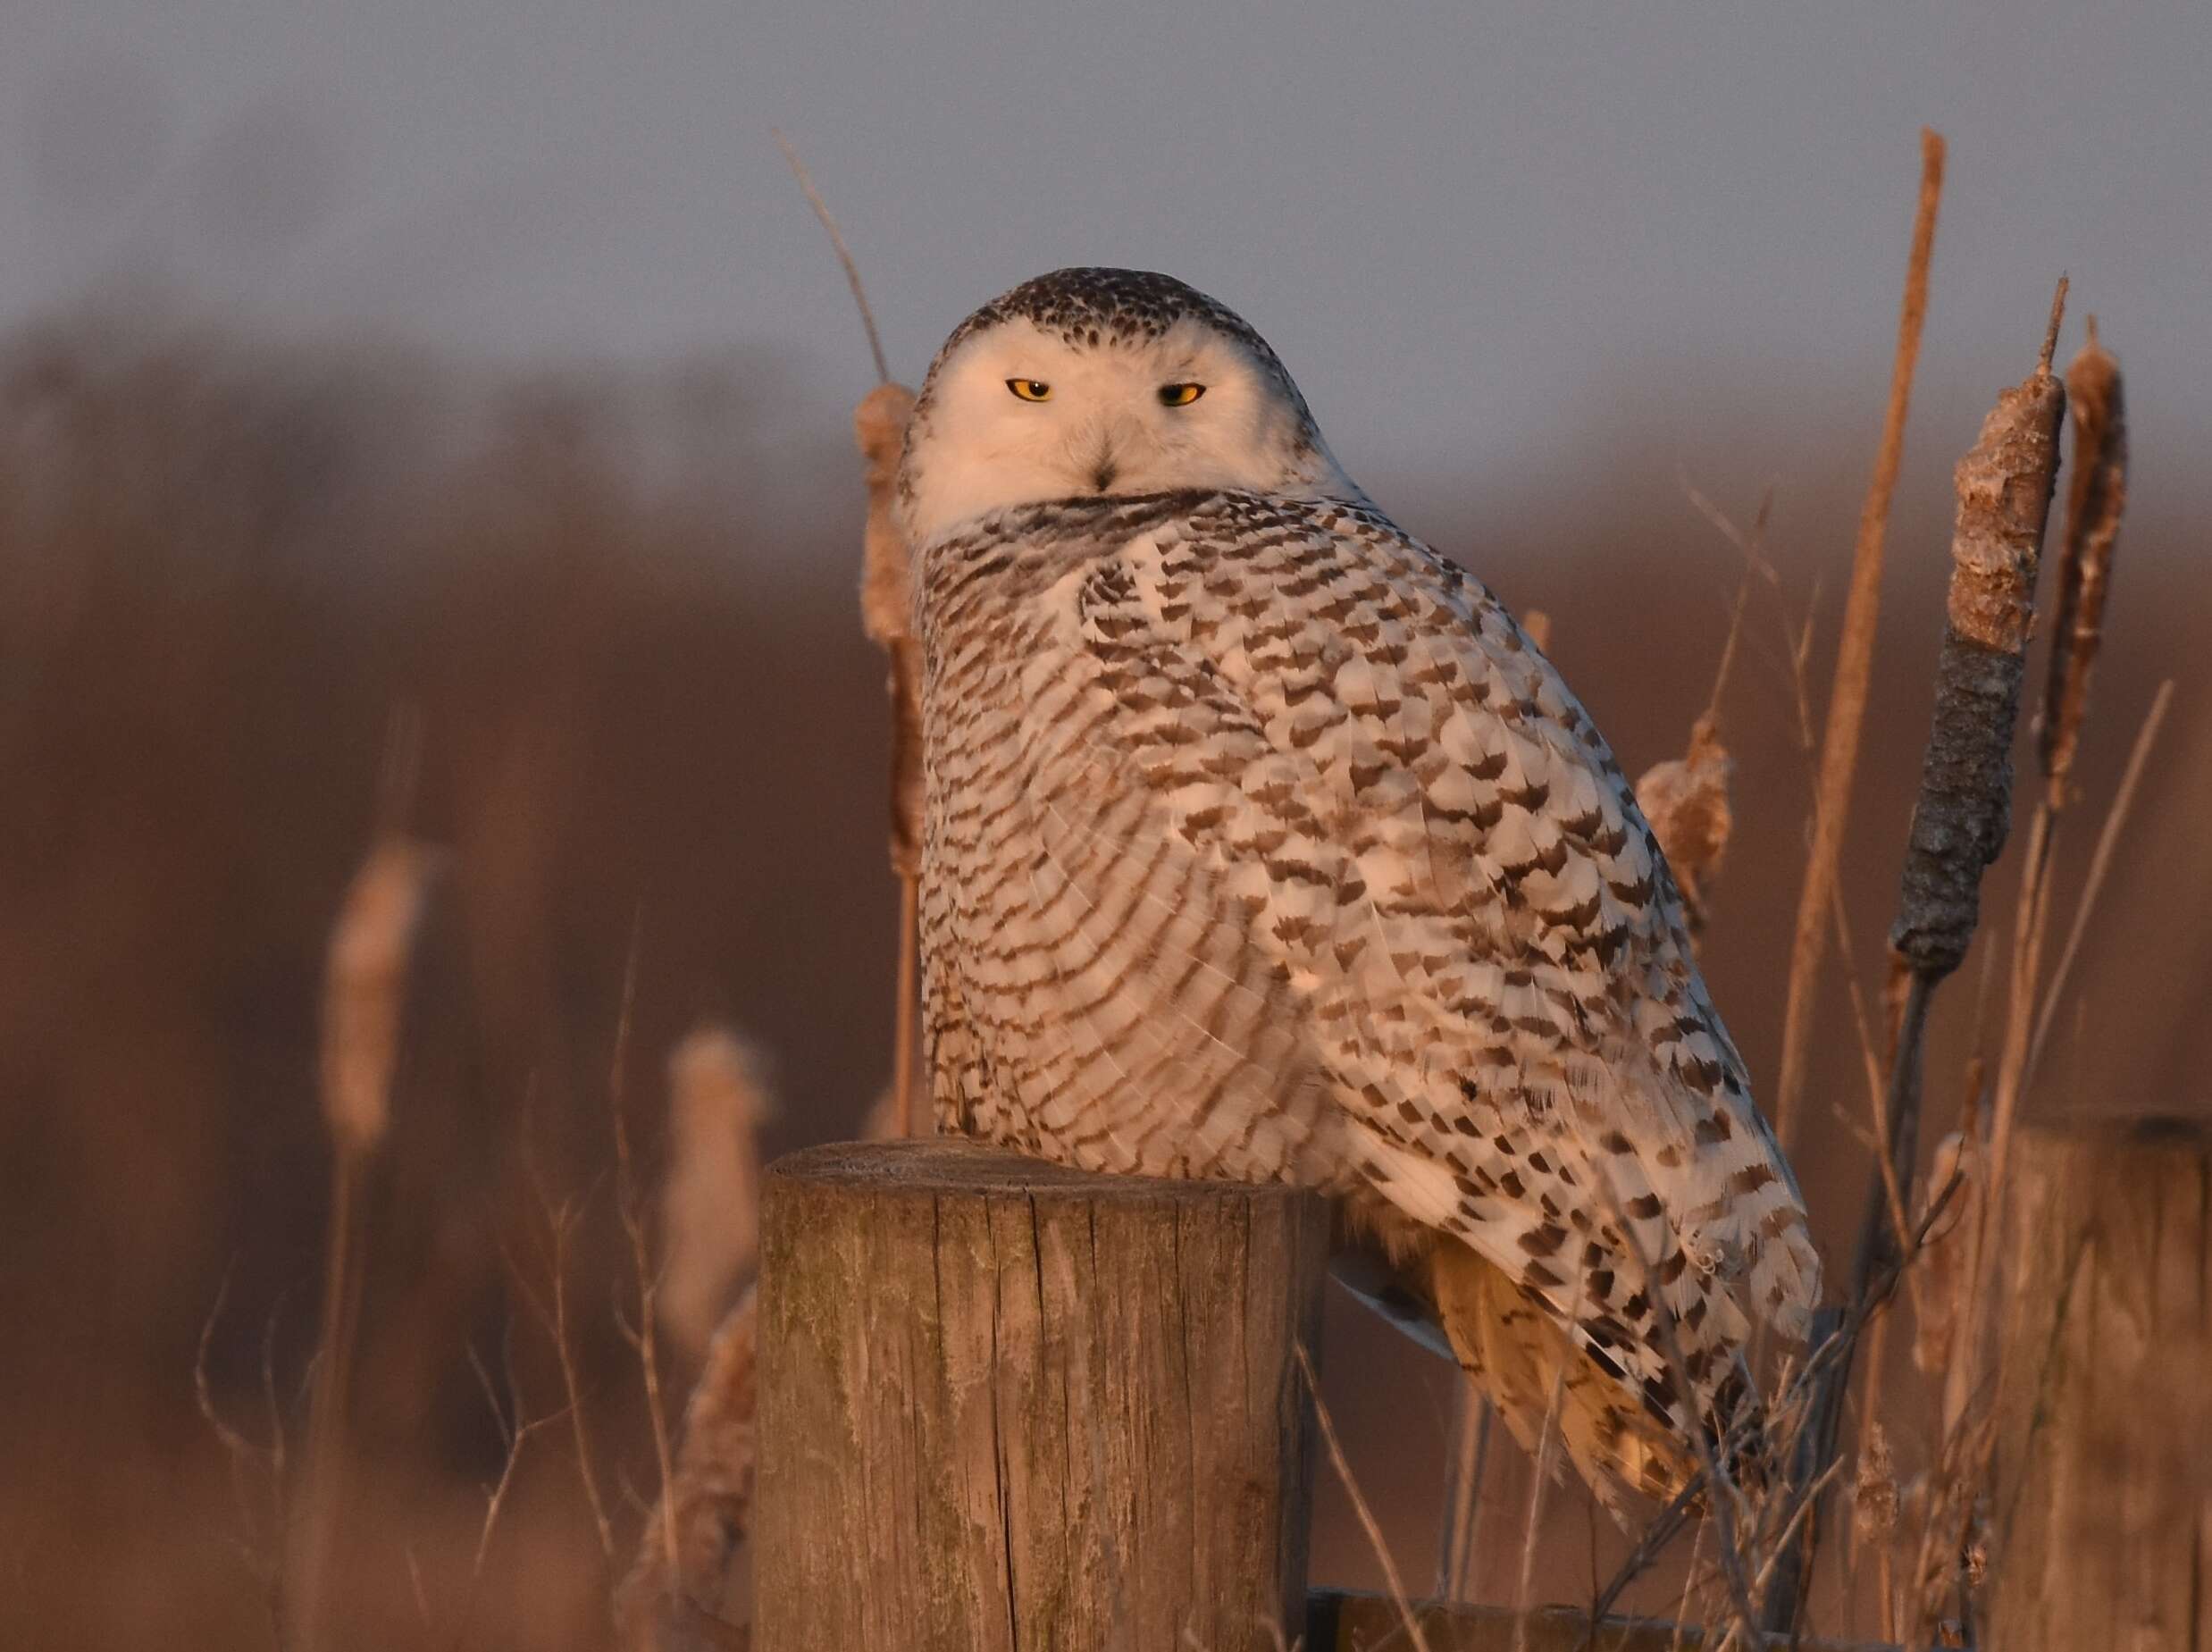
point(1086, 998)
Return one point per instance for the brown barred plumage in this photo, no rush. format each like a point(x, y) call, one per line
point(1260, 843)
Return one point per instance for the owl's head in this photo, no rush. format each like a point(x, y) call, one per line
point(1103, 382)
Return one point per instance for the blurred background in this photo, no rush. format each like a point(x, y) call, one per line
point(472, 383)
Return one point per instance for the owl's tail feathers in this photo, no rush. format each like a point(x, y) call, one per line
point(1519, 1354)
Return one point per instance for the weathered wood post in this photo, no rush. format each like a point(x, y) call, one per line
point(1004, 1404)
point(2102, 1524)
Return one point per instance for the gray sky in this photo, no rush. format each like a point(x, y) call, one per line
point(1471, 230)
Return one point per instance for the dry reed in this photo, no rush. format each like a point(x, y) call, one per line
point(1360, 1509)
point(1459, 1534)
point(1847, 703)
point(641, 1333)
point(364, 999)
point(886, 615)
point(551, 1310)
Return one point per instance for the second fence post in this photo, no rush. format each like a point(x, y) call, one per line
point(2102, 1517)
point(1004, 1404)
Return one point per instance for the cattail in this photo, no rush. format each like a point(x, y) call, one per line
point(2095, 501)
point(887, 614)
point(1686, 800)
point(711, 1202)
point(887, 610)
point(1959, 825)
point(366, 990)
point(708, 1500)
point(886, 591)
point(364, 999)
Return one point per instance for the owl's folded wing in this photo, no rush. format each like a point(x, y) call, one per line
point(1292, 713)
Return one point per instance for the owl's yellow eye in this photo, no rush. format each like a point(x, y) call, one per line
point(1030, 390)
point(1180, 395)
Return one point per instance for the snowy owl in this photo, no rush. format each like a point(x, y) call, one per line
point(1260, 843)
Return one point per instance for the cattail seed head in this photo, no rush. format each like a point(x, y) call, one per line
point(366, 990)
point(718, 1098)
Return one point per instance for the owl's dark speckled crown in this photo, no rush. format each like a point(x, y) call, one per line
point(1093, 307)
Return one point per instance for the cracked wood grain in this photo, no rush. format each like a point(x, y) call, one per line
point(2103, 1412)
point(1007, 1406)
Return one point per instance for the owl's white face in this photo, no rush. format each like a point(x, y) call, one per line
point(1016, 414)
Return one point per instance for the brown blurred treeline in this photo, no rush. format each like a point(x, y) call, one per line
point(230, 572)
point(617, 611)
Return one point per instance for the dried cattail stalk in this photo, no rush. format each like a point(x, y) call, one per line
point(710, 1202)
point(365, 989)
point(886, 609)
point(879, 424)
point(1855, 661)
point(837, 241)
point(1686, 800)
point(365, 997)
point(1536, 626)
point(708, 1503)
point(2095, 501)
point(886, 613)
point(1959, 824)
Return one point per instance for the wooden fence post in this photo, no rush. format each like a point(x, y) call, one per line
point(1005, 1405)
point(2102, 1524)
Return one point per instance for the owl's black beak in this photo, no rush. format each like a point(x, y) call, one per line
point(1104, 472)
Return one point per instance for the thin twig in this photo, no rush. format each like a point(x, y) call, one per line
point(562, 1219)
point(1722, 1490)
point(1681, 1610)
point(629, 1206)
point(1543, 1467)
point(1462, 1523)
point(516, 1434)
point(564, 1344)
point(1668, 1523)
point(1855, 659)
point(2101, 864)
point(1360, 1508)
point(1752, 548)
point(262, 1562)
point(844, 253)
point(1664, 1528)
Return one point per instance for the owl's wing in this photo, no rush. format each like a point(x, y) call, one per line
point(1351, 743)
